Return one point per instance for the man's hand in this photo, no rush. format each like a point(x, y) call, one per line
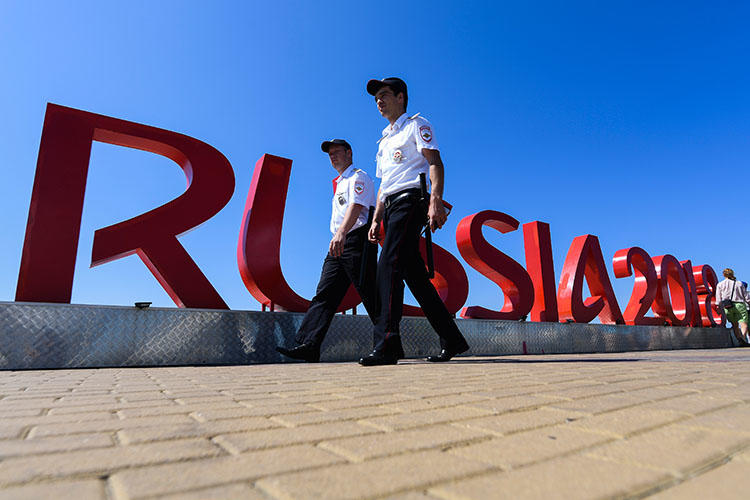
point(436, 214)
point(436, 211)
point(336, 247)
point(373, 234)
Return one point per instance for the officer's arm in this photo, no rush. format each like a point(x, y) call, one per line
point(436, 213)
point(336, 247)
point(379, 210)
point(350, 218)
point(372, 234)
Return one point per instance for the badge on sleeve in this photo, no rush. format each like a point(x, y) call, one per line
point(359, 187)
point(425, 133)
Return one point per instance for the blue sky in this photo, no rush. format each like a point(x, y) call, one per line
point(628, 121)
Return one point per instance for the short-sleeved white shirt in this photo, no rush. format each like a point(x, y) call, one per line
point(399, 157)
point(352, 186)
point(734, 290)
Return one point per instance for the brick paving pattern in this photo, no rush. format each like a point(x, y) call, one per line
point(660, 425)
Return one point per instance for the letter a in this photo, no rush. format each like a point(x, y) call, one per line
point(585, 260)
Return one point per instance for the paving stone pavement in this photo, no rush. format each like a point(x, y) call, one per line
point(662, 425)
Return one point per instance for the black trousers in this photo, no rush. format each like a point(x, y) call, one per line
point(337, 274)
point(401, 261)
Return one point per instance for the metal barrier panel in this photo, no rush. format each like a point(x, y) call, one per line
point(35, 336)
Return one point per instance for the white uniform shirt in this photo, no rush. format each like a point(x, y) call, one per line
point(399, 158)
point(724, 291)
point(353, 186)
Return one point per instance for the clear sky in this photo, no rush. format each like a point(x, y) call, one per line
point(627, 120)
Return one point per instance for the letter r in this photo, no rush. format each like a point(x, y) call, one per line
point(53, 228)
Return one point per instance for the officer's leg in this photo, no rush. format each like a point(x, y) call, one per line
point(331, 290)
point(432, 305)
point(390, 284)
point(365, 285)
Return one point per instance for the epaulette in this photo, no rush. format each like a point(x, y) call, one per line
point(408, 118)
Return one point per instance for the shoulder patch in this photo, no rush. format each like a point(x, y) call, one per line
point(425, 132)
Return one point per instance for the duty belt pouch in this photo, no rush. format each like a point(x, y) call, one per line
point(727, 303)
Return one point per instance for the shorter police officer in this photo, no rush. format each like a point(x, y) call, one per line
point(407, 149)
point(354, 194)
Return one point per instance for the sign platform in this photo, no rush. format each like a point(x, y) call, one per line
point(37, 336)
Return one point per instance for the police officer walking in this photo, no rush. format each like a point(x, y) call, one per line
point(354, 194)
point(407, 149)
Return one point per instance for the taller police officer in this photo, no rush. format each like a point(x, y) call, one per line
point(353, 195)
point(408, 147)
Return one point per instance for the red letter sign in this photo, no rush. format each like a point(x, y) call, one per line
point(705, 286)
point(585, 259)
point(494, 264)
point(49, 251)
point(644, 288)
point(541, 269)
point(687, 270)
point(260, 236)
point(669, 302)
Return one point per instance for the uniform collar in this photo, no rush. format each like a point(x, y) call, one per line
point(396, 125)
point(349, 171)
point(346, 173)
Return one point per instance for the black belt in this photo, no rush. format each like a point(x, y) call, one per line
point(406, 193)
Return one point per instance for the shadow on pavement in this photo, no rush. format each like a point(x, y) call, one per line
point(560, 360)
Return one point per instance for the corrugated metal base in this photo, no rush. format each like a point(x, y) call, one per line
point(35, 336)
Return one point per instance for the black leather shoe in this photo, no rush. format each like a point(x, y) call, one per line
point(376, 358)
point(305, 352)
point(447, 354)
